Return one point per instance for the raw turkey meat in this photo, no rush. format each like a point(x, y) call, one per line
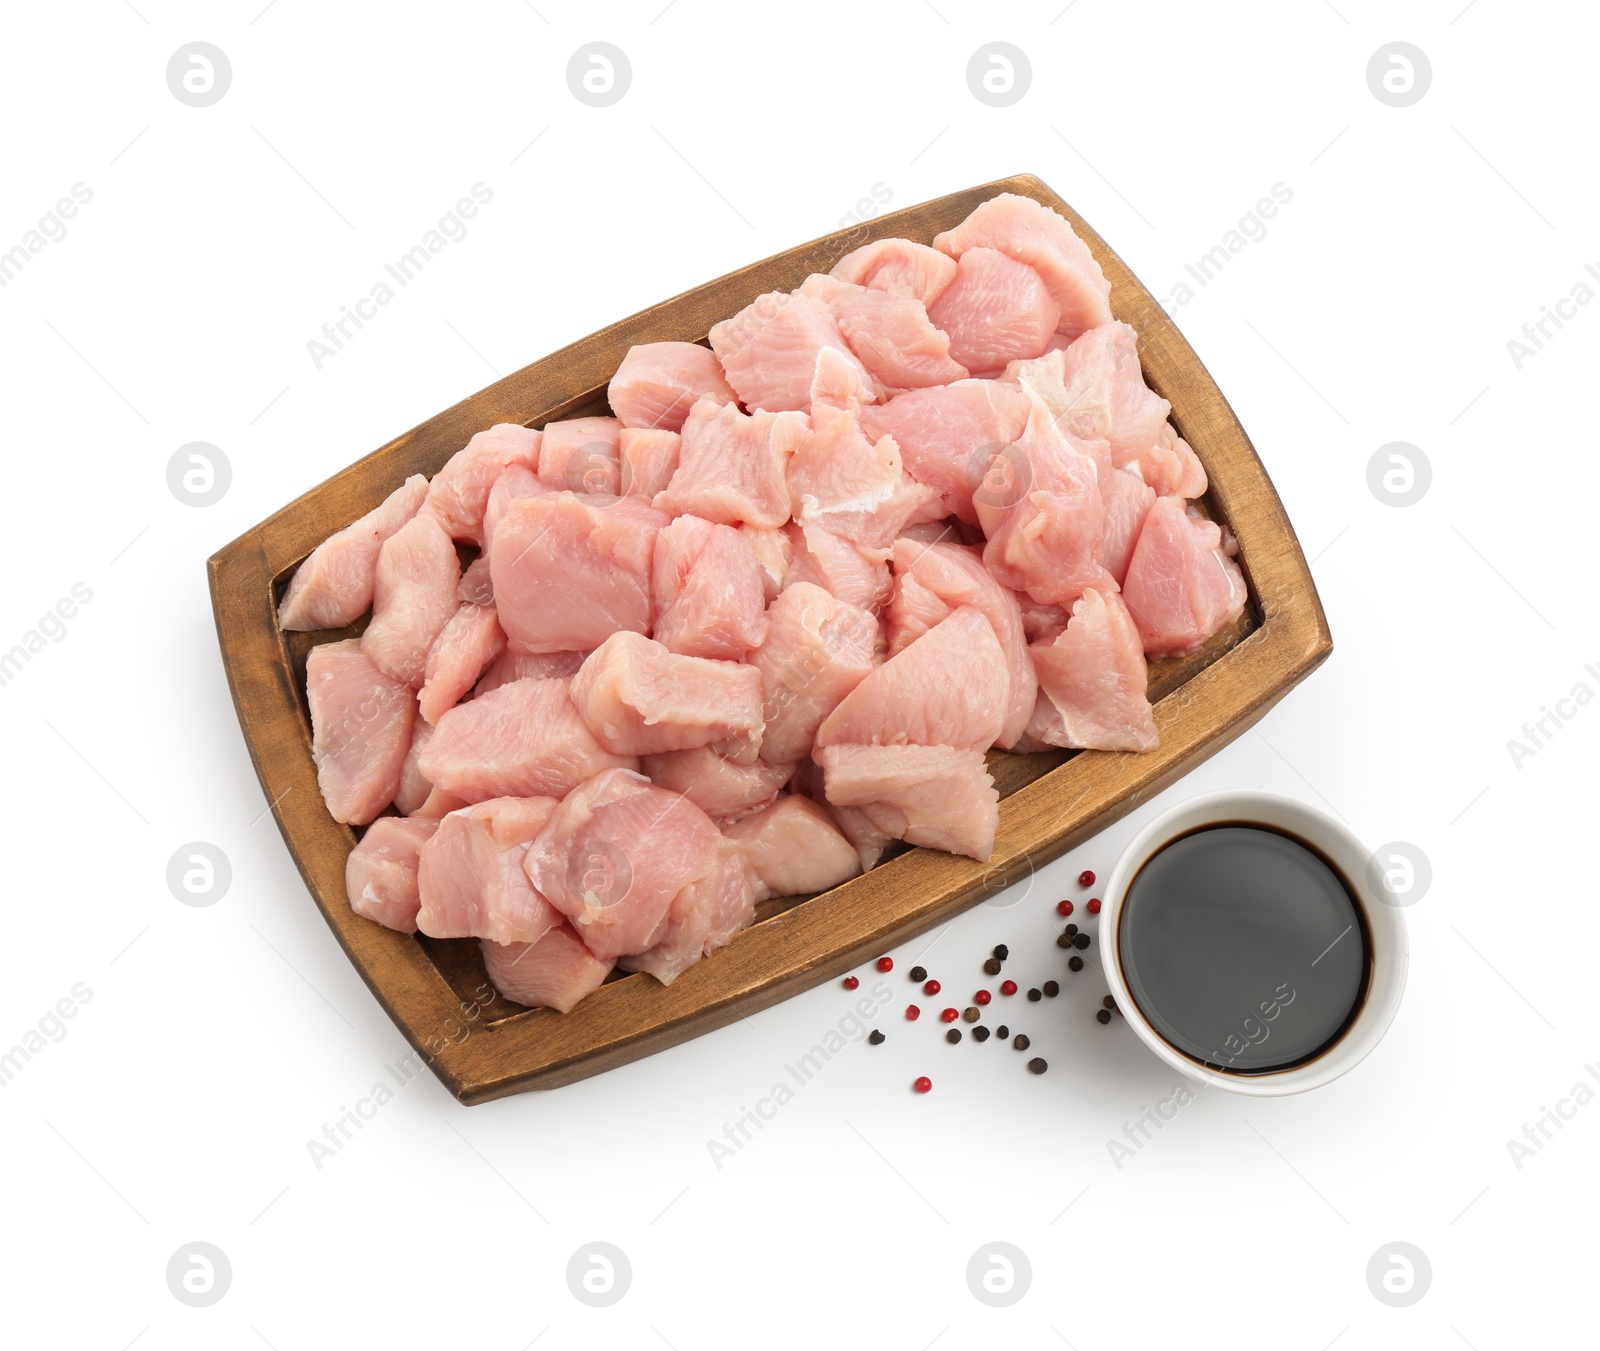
point(709, 597)
point(360, 730)
point(648, 460)
point(792, 848)
point(413, 598)
point(470, 873)
point(1181, 586)
point(524, 739)
point(898, 266)
point(856, 575)
point(720, 788)
point(889, 333)
point(731, 465)
point(333, 587)
point(659, 382)
point(1093, 677)
point(511, 666)
point(459, 492)
point(582, 455)
point(937, 796)
point(703, 917)
point(555, 972)
point(414, 789)
point(380, 876)
point(769, 349)
point(459, 655)
point(515, 482)
point(997, 310)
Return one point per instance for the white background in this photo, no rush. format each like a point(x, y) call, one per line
point(218, 1040)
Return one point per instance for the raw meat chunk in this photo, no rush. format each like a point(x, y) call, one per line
point(890, 334)
point(414, 789)
point(476, 587)
point(900, 267)
point(708, 591)
point(570, 571)
point(948, 435)
point(731, 466)
point(414, 596)
point(818, 649)
point(703, 917)
point(471, 878)
point(1094, 676)
point(793, 848)
point(720, 788)
point(615, 855)
point(649, 458)
point(658, 383)
point(438, 804)
point(868, 840)
point(511, 666)
point(380, 875)
point(997, 310)
point(769, 349)
point(1127, 500)
point(1021, 228)
point(838, 383)
point(948, 688)
point(930, 583)
point(1181, 586)
point(1170, 466)
point(516, 482)
point(1040, 506)
point(360, 730)
point(773, 550)
point(553, 973)
point(524, 739)
point(459, 655)
point(856, 575)
point(333, 587)
point(460, 491)
point(637, 698)
point(935, 796)
point(582, 455)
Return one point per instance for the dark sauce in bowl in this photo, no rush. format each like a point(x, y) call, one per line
point(1244, 948)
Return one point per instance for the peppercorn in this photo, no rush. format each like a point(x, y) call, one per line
point(1081, 942)
point(980, 1033)
point(992, 967)
point(953, 1035)
point(1021, 1042)
point(1064, 941)
point(982, 997)
point(1075, 964)
point(970, 1014)
point(1008, 987)
point(1104, 1016)
point(1002, 951)
point(1094, 907)
point(1086, 878)
point(922, 1085)
point(932, 988)
point(948, 1015)
point(1063, 907)
point(1002, 1031)
point(850, 982)
point(912, 1013)
point(886, 963)
point(876, 1038)
point(1109, 1002)
point(1051, 989)
point(1037, 1065)
point(918, 973)
point(1072, 930)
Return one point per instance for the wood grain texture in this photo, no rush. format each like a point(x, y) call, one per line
point(482, 1047)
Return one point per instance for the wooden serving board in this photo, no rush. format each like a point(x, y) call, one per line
point(437, 992)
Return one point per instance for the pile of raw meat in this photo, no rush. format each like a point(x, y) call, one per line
point(733, 641)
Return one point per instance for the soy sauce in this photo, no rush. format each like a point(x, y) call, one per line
point(1244, 948)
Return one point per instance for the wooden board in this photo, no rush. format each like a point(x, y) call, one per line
point(436, 991)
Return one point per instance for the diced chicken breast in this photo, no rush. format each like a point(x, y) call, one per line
point(721, 789)
point(1127, 499)
point(414, 787)
point(890, 334)
point(459, 492)
point(470, 874)
point(514, 483)
point(476, 587)
point(1041, 509)
point(360, 730)
point(659, 382)
point(459, 655)
point(704, 916)
point(818, 649)
point(773, 550)
point(850, 572)
point(793, 848)
point(769, 349)
point(933, 581)
point(1021, 228)
point(414, 597)
point(553, 973)
point(649, 459)
point(1094, 675)
point(582, 455)
point(935, 796)
point(948, 688)
point(997, 310)
point(380, 874)
point(1170, 466)
point(438, 804)
point(511, 666)
point(615, 855)
point(1181, 586)
point(731, 466)
point(569, 571)
point(524, 739)
point(709, 597)
point(638, 698)
point(867, 839)
point(333, 587)
point(948, 435)
point(900, 267)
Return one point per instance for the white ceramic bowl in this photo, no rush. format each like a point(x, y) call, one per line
point(1385, 924)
